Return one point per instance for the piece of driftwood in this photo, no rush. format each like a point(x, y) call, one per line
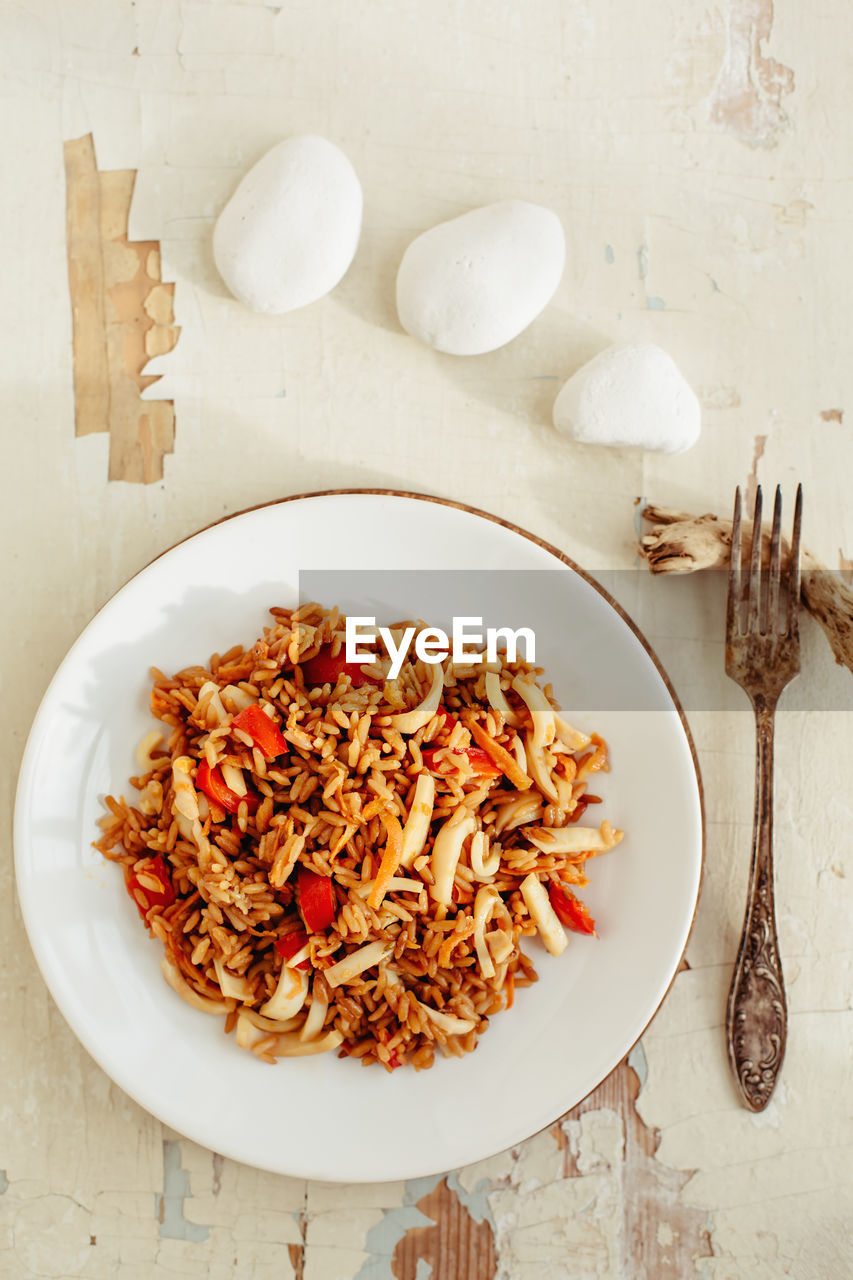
point(680, 543)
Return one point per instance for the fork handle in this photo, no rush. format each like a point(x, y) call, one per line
point(757, 1016)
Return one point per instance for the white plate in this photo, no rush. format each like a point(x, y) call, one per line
point(324, 1117)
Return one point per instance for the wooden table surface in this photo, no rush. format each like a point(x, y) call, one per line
point(700, 160)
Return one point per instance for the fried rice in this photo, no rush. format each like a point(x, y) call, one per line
point(334, 860)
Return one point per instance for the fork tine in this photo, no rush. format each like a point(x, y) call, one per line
point(753, 591)
point(734, 597)
point(772, 620)
point(794, 569)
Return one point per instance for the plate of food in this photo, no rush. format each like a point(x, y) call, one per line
point(359, 836)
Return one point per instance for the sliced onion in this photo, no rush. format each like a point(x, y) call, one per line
point(248, 1032)
point(500, 944)
point(397, 884)
point(416, 830)
point(290, 1046)
point(205, 855)
point(543, 914)
point(562, 840)
point(186, 827)
point(146, 746)
point(518, 752)
point(537, 767)
point(485, 903)
point(544, 725)
point(483, 863)
point(573, 738)
point(495, 695)
point(448, 1022)
point(404, 884)
point(178, 983)
point(233, 986)
point(184, 798)
point(150, 799)
point(235, 699)
point(352, 965)
point(271, 1024)
point(316, 1014)
point(289, 996)
point(565, 793)
point(525, 808)
point(411, 721)
point(446, 852)
point(233, 778)
point(210, 705)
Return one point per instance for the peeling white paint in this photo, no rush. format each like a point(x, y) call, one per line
point(169, 1204)
point(747, 99)
point(383, 1237)
point(637, 1062)
point(474, 1198)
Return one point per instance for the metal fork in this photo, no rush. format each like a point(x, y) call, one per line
point(762, 656)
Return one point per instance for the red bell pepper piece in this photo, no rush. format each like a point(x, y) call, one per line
point(481, 762)
point(316, 900)
point(325, 669)
point(162, 896)
point(428, 755)
point(289, 945)
point(265, 734)
point(211, 782)
point(569, 909)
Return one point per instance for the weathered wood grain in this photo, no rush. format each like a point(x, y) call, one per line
point(650, 1190)
point(659, 1236)
point(86, 285)
point(455, 1246)
point(122, 315)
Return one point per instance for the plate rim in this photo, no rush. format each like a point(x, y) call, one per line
point(411, 495)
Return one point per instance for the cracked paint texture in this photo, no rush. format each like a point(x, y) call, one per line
point(699, 160)
point(747, 100)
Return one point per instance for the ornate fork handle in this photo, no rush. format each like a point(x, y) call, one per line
point(756, 1017)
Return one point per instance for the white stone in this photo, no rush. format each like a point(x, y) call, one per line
point(633, 395)
point(290, 230)
point(474, 283)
